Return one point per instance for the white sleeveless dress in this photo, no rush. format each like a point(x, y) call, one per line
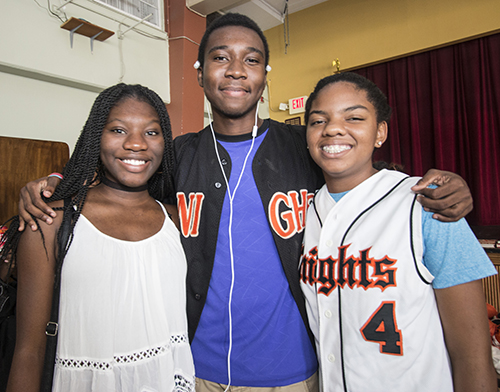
point(122, 322)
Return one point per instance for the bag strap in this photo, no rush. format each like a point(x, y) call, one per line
point(5, 293)
point(53, 326)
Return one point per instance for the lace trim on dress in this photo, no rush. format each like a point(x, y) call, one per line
point(177, 339)
point(120, 359)
point(182, 384)
point(141, 355)
point(83, 364)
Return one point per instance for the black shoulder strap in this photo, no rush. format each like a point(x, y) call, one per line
point(53, 326)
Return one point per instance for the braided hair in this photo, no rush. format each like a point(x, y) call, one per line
point(85, 168)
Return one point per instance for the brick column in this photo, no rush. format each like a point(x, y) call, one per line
point(186, 107)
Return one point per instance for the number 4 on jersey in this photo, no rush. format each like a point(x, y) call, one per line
point(382, 328)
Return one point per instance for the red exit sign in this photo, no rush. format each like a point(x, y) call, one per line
point(297, 105)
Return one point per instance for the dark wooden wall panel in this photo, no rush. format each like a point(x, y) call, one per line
point(23, 160)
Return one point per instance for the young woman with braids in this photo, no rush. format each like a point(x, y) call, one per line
point(122, 318)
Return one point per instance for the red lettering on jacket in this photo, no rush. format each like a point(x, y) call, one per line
point(287, 212)
point(189, 215)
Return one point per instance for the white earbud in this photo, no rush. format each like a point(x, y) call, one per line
point(255, 127)
point(268, 68)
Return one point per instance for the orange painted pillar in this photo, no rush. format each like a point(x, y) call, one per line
point(186, 107)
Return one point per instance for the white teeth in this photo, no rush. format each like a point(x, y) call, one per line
point(335, 149)
point(134, 162)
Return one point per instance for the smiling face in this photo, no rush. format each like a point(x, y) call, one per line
point(233, 74)
point(132, 143)
point(342, 132)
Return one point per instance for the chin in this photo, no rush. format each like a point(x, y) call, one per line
point(238, 112)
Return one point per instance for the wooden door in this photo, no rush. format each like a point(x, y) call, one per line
point(23, 160)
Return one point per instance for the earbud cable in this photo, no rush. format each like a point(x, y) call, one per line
point(231, 198)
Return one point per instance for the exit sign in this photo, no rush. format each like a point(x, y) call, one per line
point(297, 105)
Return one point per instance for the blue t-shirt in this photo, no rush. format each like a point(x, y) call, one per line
point(270, 345)
point(452, 253)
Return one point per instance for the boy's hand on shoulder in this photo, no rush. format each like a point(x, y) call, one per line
point(31, 202)
point(450, 201)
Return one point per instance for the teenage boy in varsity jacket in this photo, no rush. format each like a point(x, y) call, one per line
point(243, 242)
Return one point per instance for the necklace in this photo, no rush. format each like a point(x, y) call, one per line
point(121, 187)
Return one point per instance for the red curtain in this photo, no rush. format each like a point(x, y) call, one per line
point(446, 115)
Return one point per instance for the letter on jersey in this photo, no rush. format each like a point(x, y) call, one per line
point(363, 271)
point(189, 213)
point(291, 219)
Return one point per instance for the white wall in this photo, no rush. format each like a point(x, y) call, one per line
point(34, 109)
point(47, 87)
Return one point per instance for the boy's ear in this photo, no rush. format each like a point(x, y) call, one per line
point(382, 130)
point(200, 76)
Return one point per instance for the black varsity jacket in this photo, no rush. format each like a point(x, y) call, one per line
point(286, 178)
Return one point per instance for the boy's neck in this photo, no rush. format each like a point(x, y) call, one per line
point(235, 126)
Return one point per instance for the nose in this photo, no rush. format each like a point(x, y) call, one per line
point(333, 128)
point(236, 69)
point(135, 141)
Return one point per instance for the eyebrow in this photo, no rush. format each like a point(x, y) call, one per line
point(225, 47)
point(316, 112)
point(349, 109)
point(122, 121)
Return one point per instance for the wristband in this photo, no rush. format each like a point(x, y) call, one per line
point(3, 230)
point(58, 175)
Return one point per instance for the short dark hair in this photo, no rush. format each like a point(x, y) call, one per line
point(231, 19)
point(374, 95)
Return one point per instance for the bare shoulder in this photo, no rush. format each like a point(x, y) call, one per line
point(40, 244)
point(58, 207)
point(173, 214)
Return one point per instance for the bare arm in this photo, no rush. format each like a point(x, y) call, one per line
point(450, 201)
point(30, 201)
point(34, 295)
point(465, 324)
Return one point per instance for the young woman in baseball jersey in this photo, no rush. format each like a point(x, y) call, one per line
point(394, 297)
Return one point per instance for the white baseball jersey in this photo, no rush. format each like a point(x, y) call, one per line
point(370, 303)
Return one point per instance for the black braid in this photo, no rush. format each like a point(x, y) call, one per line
point(84, 168)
